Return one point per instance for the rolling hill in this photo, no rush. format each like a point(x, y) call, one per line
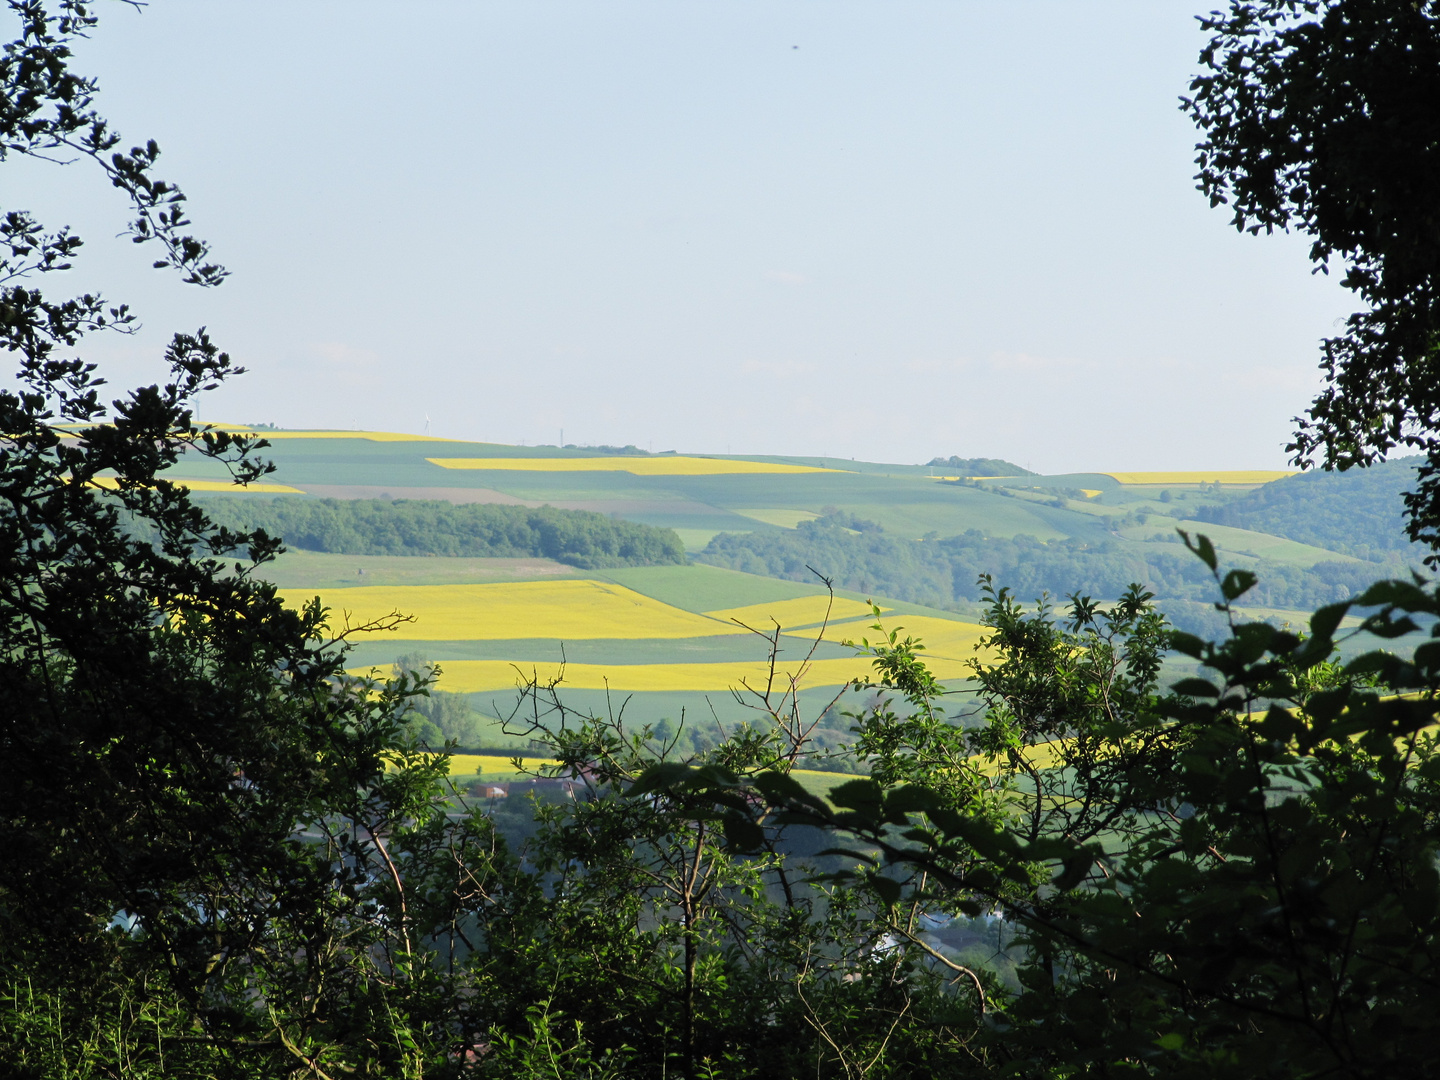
point(638, 626)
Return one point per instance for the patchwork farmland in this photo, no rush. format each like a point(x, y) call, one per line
point(693, 642)
point(610, 644)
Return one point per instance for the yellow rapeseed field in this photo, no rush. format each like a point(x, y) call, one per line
point(1040, 756)
point(639, 466)
point(213, 485)
point(479, 764)
point(801, 611)
point(564, 610)
point(477, 676)
point(944, 639)
point(1234, 476)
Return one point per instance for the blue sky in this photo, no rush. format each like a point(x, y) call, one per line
point(881, 230)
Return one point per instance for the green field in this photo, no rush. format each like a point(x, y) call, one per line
point(730, 655)
point(1243, 542)
point(907, 502)
point(317, 569)
point(902, 498)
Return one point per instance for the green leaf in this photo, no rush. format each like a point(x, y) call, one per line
point(1196, 688)
point(1369, 663)
point(742, 833)
point(1402, 594)
point(864, 796)
point(785, 790)
point(888, 888)
point(910, 799)
point(661, 776)
point(713, 775)
point(1383, 626)
point(1281, 724)
point(1202, 547)
point(994, 844)
point(1427, 655)
point(1237, 583)
point(1188, 644)
point(1074, 870)
point(1325, 621)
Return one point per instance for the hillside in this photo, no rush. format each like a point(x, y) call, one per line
point(1357, 513)
point(547, 561)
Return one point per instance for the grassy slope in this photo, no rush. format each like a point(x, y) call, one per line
point(317, 570)
point(706, 588)
point(902, 499)
point(1232, 541)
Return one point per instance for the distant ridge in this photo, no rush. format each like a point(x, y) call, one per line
point(320, 433)
point(1220, 476)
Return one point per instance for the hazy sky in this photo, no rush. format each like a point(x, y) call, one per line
point(886, 230)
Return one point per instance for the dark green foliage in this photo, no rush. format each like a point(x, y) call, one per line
point(682, 934)
point(980, 466)
point(148, 697)
point(437, 717)
point(377, 527)
point(1359, 512)
point(168, 729)
point(1320, 115)
point(1236, 879)
point(868, 561)
point(1081, 686)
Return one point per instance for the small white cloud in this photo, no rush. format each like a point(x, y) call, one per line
point(936, 365)
point(337, 354)
point(1026, 362)
point(780, 369)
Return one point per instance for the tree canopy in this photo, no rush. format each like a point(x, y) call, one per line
point(1320, 115)
point(421, 527)
point(1237, 877)
point(166, 724)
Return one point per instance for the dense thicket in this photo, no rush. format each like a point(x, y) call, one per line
point(1233, 879)
point(378, 527)
point(168, 727)
point(1358, 512)
point(939, 572)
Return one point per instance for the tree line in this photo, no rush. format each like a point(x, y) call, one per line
point(422, 527)
point(979, 466)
